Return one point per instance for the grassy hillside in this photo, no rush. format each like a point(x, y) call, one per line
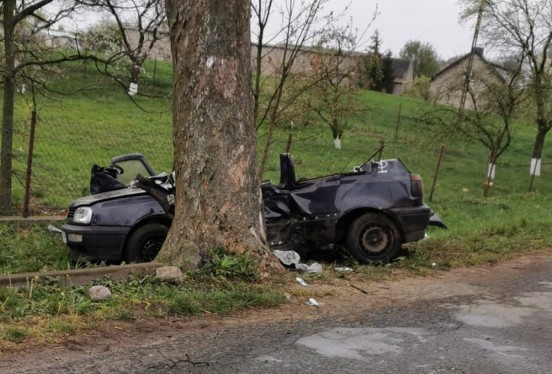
point(87, 119)
point(98, 121)
point(510, 218)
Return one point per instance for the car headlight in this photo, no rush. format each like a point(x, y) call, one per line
point(83, 215)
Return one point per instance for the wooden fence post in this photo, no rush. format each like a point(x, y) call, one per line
point(398, 122)
point(29, 166)
point(437, 168)
point(288, 145)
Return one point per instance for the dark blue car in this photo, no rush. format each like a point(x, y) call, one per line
point(369, 212)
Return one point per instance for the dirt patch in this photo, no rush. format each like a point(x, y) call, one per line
point(345, 296)
point(38, 209)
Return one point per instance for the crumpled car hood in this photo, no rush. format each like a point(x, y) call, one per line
point(104, 196)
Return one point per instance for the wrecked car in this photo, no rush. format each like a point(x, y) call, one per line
point(369, 212)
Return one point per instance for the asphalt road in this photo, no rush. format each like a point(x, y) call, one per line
point(502, 325)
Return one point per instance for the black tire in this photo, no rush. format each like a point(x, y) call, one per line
point(144, 243)
point(373, 237)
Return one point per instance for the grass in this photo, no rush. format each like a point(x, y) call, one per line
point(48, 312)
point(90, 126)
point(31, 248)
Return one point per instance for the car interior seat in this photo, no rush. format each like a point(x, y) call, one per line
point(287, 171)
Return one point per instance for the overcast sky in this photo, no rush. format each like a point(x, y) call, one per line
point(432, 21)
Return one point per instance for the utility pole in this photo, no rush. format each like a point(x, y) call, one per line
point(469, 69)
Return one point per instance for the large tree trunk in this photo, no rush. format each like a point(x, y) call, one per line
point(7, 110)
point(218, 198)
point(7, 140)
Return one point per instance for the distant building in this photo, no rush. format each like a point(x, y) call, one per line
point(403, 70)
point(448, 84)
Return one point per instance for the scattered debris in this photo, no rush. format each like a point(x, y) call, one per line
point(287, 258)
point(292, 260)
point(53, 229)
point(358, 288)
point(301, 281)
point(99, 293)
point(343, 269)
point(315, 267)
point(312, 302)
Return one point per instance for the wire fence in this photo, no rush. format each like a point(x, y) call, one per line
point(73, 134)
point(65, 149)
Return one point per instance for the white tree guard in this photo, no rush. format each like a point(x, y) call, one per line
point(491, 171)
point(535, 167)
point(133, 89)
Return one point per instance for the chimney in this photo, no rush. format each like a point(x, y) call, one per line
point(478, 50)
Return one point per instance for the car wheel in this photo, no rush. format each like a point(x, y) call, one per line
point(144, 243)
point(373, 237)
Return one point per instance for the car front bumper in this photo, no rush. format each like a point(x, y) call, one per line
point(95, 243)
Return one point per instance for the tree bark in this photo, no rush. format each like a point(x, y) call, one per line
point(8, 108)
point(538, 146)
point(11, 17)
point(539, 140)
point(218, 197)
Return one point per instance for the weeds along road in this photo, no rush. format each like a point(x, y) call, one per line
point(489, 319)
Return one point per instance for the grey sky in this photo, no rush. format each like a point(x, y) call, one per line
point(432, 21)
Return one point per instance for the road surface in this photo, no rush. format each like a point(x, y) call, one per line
point(489, 319)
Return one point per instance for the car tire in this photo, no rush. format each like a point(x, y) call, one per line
point(372, 238)
point(144, 243)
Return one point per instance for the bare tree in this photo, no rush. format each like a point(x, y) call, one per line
point(494, 97)
point(501, 97)
point(25, 26)
point(218, 197)
point(333, 96)
point(139, 26)
point(525, 27)
point(275, 89)
point(261, 10)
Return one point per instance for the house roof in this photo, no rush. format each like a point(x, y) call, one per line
point(400, 67)
point(495, 68)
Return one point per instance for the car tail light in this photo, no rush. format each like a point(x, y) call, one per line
point(416, 185)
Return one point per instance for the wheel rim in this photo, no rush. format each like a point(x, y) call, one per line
point(151, 247)
point(375, 239)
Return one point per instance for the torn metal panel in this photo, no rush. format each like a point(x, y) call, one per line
point(302, 215)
